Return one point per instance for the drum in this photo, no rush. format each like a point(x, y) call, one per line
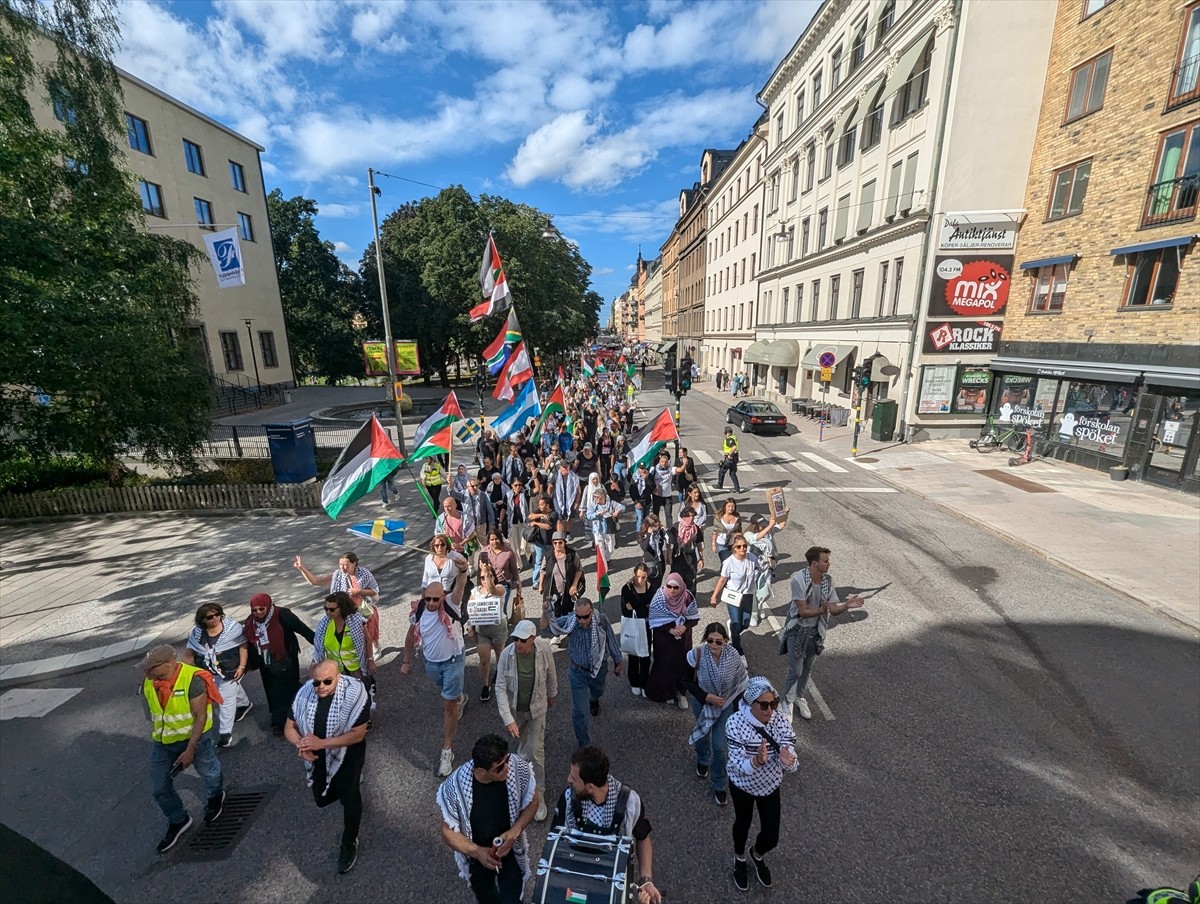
point(577, 868)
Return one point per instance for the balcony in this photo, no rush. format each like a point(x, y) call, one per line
point(1173, 201)
point(1185, 83)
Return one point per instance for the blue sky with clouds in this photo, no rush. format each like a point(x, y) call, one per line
point(594, 112)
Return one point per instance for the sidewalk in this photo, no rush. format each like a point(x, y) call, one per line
point(1139, 539)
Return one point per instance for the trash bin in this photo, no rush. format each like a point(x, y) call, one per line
point(839, 416)
point(883, 420)
point(293, 450)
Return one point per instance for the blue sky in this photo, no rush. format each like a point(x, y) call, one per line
point(594, 112)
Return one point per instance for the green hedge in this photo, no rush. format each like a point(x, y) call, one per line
point(27, 475)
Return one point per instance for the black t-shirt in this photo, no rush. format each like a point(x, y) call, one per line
point(489, 812)
point(354, 753)
point(484, 475)
point(527, 450)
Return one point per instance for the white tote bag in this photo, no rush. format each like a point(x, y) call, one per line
point(633, 637)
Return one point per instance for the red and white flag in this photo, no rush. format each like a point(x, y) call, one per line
point(517, 369)
point(492, 284)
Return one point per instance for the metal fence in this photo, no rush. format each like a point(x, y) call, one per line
point(250, 441)
point(103, 500)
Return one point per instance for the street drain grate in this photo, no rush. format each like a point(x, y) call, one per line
point(217, 841)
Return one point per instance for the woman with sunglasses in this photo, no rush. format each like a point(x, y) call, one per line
point(446, 567)
point(762, 747)
point(716, 685)
point(735, 587)
point(635, 603)
point(673, 614)
point(341, 636)
point(487, 624)
point(656, 549)
point(218, 645)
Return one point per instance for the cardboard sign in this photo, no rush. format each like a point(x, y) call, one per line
point(777, 502)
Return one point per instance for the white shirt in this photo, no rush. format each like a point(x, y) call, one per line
point(446, 575)
point(738, 575)
point(436, 644)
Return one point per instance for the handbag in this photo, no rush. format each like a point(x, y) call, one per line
point(633, 636)
point(730, 596)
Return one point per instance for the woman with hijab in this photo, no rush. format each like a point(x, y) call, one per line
point(635, 603)
point(738, 577)
point(687, 548)
point(727, 522)
point(673, 614)
point(218, 645)
point(341, 636)
point(656, 549)
point(458, 486)
point(762, 747)
point(717, 683)
point(601, 516)
point(272, 630)
point(446, 567)
point(356, 580)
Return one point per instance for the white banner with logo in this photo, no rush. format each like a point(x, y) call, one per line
point(225, 253)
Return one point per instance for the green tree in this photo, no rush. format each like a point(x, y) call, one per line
point(96, 309)
point(321, 295)
point(432, 251)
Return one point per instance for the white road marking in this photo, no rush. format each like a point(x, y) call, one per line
point(865, 465)
point(827, 465)
point(701, 456)
point(775, 624)
point(802, 467)
point(31, 703)
point(842, 490)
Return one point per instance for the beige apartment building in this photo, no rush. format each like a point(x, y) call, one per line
point(196, 176)
point(653, 304)
point(1100, 355)
point(899, 135)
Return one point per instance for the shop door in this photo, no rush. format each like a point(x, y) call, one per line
point(1145, 418)
point(1165, 443)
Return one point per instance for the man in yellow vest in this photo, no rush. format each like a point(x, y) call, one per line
point(433, 478)
point(179, 701)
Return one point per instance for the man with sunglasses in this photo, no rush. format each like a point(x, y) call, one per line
point(328, 727)
point(590, 644)
point(486, 805)
point(436, 627)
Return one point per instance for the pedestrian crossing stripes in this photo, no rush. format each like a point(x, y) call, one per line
point(827, 465)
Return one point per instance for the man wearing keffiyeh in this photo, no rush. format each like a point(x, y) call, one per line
point(491, 798)
point(328, 727)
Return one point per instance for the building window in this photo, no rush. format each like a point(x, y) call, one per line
point(835, 288)
point(266, 343)
point(245, 227)
point(779, 128)
point(810, 166)
point(856, 290)
point(835, 75)
point(799, 107)
point(231, 349)
point(841, 218)
point(237, 176)
point(799, 301)
point(858, 46)
point(1185, 81)
point(883, 286)
point(893, 195)
point(872, 129)
point(754, 222)
point(897, 275)
point(138, 131)
point(913, 93)
point(60, 102)
point(829, 151)
point(816, 90)
point(1087, 87)
point(783, 317)
point(887, 18)
point(152, 202)
point(805, 231)
point(1094, 6)
point(1153, 276)
point(822, 227)
point(795, 178)
point(847, 145)
point(814, 303)
point(773, 193)
point(866, 207)
point(204, 213)
point(1069, 188)
point(1049, 289)
point(194, 157)
point(1172, 194)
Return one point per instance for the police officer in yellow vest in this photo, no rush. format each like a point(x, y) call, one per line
point(433, 477)
point(729, 461)
point(179, 701)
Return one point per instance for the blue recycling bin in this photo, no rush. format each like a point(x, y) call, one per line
point(293, 450)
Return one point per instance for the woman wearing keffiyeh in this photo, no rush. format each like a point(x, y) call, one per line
point(673, 614)
point(218, 645)
point(720, 679)
point(272, 632)
point(357, 581)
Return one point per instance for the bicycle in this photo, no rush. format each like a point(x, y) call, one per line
point(994, 437)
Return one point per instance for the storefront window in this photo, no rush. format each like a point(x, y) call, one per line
point(971, 396)
point(1096, 416)
point(937, 389)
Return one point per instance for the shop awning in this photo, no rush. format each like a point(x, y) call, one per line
point(756, 353)
point(904, 69)
point(1050, 262)
point(782, 353)
point(1153, 246)
point(1178, 377)
point(878, 363)
point(812, 358)
point(666, 348)
point(1068, 370)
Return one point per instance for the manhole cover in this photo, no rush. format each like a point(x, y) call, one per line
point(869, 461)
point(217, 841)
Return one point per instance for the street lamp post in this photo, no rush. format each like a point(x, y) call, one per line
point(254, 358)
point(390, 350)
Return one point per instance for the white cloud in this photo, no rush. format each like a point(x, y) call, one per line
point(603, 271)
point(373, 26)
point(300, 28)
point(339, 211)
point(549, 152)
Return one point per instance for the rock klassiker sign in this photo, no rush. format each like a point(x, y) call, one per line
point(970, 285)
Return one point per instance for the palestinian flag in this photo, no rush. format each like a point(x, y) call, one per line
point(516, 371)
point(492, 284)
point(645, 445)
point(435, 426)
point(554, 405)
point(367, 459)
point(506, 340)
point(602, 584)
point(588, 372)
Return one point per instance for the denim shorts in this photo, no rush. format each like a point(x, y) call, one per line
point(447, 675)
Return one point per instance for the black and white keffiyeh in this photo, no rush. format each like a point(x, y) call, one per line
point(232, 635)
point(349, 697)
point(726, 678)
point(340, 582)
point(457, 793)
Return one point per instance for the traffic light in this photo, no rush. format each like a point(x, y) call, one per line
point(670, 378)
point(856, 375)
point(685, 375)
point(864, 379)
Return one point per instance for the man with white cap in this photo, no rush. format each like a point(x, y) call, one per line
point(526, 685)
point(179, 702)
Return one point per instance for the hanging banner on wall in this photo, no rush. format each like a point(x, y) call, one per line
point(970, 285)
point(978, 229)
point(408, 358)
point(225, 255)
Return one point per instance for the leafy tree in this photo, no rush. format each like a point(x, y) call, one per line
point(321, 295)
point(96, 308)
point(432, 251)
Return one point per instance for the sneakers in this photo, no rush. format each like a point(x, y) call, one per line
point(174, 830)
point(760, 871)
point(444, 766)
point(347, 856)
point(462, 704)
point(594, 706)
point(242, 711)
point(636, 691)
point(225, 740)
point(682, 703)
point(756, 621)
point(805, 712)
point(216, 806)
point(541, 811)
point(741, 875)
point(702, 770)
point(485, 693)
point(722, 797)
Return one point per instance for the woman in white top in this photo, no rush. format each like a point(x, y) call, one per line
point(726, 523)
point(693, 500)
point(601, 515)
point(445, 567)
point(736, 580)
point(484, 607)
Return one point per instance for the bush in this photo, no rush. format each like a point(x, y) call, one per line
point(28, 475)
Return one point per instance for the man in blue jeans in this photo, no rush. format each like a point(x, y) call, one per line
point(590, 644)
point(436, 627)
point(179, 702)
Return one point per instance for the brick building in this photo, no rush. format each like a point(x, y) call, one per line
point(1101, 348)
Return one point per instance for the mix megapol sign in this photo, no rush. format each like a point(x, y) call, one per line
point(970, 285)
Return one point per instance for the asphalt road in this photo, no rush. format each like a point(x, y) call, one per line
point(990, 728)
